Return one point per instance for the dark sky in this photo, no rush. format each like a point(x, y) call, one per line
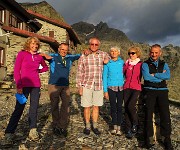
point(149, 21)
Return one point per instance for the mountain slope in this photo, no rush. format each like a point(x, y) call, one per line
point(43, 8)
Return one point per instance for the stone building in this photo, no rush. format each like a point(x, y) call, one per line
point(16, 24)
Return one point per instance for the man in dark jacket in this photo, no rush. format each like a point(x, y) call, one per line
point(155, 73)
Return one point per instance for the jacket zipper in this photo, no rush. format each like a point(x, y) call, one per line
point(131, 76)
point(32, 57)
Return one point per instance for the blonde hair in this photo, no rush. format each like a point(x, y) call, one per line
point(29, 40)
point(136, 49)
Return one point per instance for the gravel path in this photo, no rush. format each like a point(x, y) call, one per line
point(76, 139)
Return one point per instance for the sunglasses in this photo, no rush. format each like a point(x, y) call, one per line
point(129, 53)
point(94, 44)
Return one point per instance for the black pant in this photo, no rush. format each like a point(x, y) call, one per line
point(116, 99)
point(160, 99)
point(16, 115)
point(130, 100)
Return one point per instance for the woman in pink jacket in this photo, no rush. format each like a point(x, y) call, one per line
point(132, 88)
point(26, 75)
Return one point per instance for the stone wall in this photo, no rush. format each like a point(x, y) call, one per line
point(60, 34)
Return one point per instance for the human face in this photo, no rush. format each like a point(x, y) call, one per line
point(132, 55)
point(63, 49)
point(94, 45)
point(155, 53)
point(33, 46)
point(114, 53)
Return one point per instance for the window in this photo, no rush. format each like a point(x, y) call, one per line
point(1, 56)
point(13, 21)
point(20, 25)
point(51, 34)
point(28, 28)
point(2, 15)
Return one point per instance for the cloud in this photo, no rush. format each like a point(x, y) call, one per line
point(141, 20)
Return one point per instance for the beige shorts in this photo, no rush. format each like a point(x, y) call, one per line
point(91, 98)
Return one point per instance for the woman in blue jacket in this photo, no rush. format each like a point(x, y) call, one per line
point(113, 88)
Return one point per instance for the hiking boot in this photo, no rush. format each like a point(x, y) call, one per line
point(167, 144)
point(118, 133)
point(57, 131)
point(96, 131)
point(113, 132)
point(33, 134)
point(60, 131)
point(149, 142)
point(8, 139)
point(86, 131)
point(129, 134)
point(64, 132)
point(134, 129)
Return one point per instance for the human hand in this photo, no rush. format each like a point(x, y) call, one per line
point(106, 60)
point(164, 71)
point(20, 91)
point(106, 95)
point(81, 91)
point(152, 74)
point(86, 52)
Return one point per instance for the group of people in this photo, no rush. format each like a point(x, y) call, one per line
point(99, 75)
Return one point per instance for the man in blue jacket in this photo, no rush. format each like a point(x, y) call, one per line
point(58, 87)
point(155, 73)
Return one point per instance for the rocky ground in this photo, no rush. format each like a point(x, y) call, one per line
point(76, 139)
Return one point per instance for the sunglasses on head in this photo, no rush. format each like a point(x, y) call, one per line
point(129, 53)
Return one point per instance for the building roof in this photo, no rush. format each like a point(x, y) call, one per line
point(53, 43)
point(17, 10)
point(72, 33)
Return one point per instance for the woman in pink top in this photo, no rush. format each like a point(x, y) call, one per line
point(132, 88)
point(26, 76)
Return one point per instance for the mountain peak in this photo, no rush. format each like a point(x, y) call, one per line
point(101, 30)
point(102, 26)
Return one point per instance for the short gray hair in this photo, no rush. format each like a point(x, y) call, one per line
point(116, 48)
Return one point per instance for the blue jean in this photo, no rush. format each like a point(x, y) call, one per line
point(18, 111)
point(116, 100)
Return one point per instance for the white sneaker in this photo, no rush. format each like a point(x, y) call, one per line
point(113, 132)
point(33, 134)
point(118, 132)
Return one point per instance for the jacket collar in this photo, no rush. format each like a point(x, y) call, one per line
point(114, 61)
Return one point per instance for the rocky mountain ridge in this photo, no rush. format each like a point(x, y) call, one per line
point(101, 30)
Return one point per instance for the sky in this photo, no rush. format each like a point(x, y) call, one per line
point(144, 21)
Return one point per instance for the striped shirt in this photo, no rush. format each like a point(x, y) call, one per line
point(90, 70)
